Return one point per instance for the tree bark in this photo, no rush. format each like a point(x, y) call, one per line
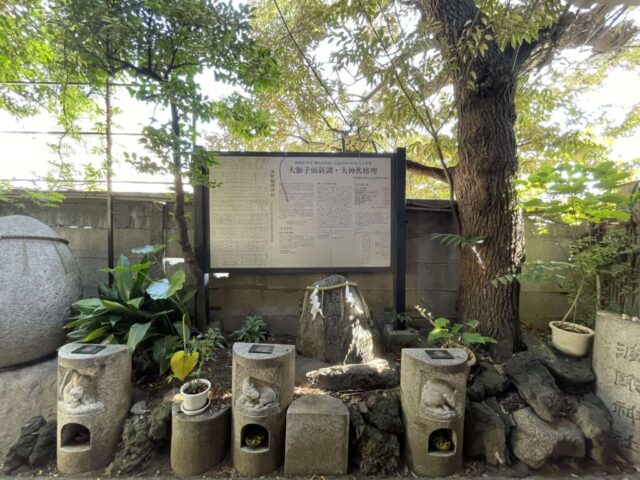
point(483, 178)
point(483, 185)
point(183, 230)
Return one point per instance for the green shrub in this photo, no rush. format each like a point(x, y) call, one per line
point(253, 330)
point(145, 314)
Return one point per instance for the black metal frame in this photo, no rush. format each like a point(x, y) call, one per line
point(398, 222)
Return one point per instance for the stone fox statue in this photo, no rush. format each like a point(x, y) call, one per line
point(256, 396)
point(77, 390)
point(438, 398)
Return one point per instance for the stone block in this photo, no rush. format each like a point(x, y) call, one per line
point(198, 442)
point(94, 396)
point(37, 383)
point(317, 438)
point(402, 338)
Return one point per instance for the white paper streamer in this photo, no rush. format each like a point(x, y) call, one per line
point(315, 304)
point(351, 300)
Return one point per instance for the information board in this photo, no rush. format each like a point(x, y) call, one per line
point(289, 212)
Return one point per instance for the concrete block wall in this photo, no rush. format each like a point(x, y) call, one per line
point(139, 219)
point(433, 270)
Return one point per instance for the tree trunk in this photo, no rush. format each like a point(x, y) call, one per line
point(183, 230)
point(483, 185)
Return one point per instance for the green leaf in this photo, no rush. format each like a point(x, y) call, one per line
point(137, 333)
point(95, 334)
point(441, 322)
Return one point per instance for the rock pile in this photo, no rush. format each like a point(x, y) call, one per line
point(551, 414)
point(35, 447)
point(376, 427)
point(145, 432)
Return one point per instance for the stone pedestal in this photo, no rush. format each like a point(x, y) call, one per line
point(403, 338)
point(198, 442)
point(37, 383)
point(433, 385)
point(317, 441)
point(94, 396)
point(262, 386)
point(616, 362)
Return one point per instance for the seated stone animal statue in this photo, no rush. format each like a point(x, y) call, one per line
point(437, 399)
point(257, 397)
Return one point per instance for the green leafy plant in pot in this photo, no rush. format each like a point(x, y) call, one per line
point(458, 335)
point(585, 198)
point(191, 361)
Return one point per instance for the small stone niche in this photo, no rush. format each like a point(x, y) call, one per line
point(433, 384)
point(442, 441)
point(262, 386)
point(254, 438)
point(94, 396)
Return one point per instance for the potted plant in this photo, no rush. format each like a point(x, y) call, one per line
point(571, 338)
point(191, 362)
point(459, 335)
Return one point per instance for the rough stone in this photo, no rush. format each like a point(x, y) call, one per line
point(136, 447)
point(535, 385)
point(616, 361)
point(372, 451)
point(344, 332)
point(383, 411)
point(94, 398)
point(317, 439)
point(305, 365)
point(595, 423)
point(567, 371)
point(535, 441)
point(45, 448)
point(488, 383)
point(39, 280)
point(160, 422)
point(35, 382)
point(485, 434)
point(375, 374)
point(19, 453)
point(198, 442)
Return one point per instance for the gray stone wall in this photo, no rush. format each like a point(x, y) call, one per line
point(433, 271)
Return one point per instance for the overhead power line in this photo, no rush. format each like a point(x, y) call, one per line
point(55, 132)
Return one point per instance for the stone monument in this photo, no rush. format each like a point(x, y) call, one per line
point(94, 397)
point(39, 279)
point(262, 388)
point(616, 362)
point(335, 325)
point(317, 441)
point(433, 384)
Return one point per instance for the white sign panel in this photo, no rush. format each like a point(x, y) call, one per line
point(300, 212)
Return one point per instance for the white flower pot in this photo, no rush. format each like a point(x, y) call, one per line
point(574, 344)
point(195, 401)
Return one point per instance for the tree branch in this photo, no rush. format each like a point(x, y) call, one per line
point(426, 171)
